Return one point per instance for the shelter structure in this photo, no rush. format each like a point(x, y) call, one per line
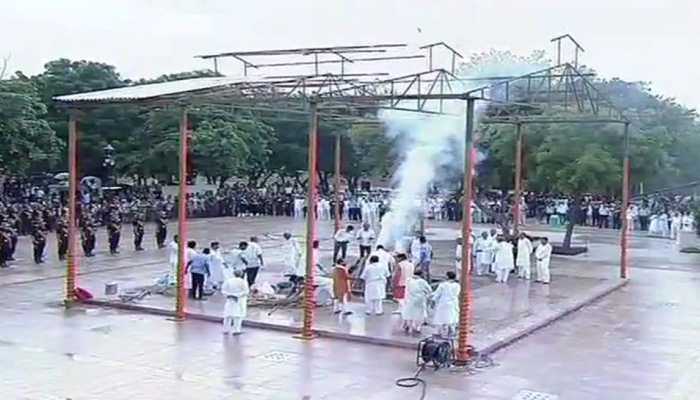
point(351, 98)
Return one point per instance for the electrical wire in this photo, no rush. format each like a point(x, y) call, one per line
point(414, 381)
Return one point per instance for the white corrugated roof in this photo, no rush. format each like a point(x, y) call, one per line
point(151, 90)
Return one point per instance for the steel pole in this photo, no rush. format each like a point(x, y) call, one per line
point(624, 272)
point(309, 303)
point(518, 176)
point(465, 301)
point(182, 220)
point(336, 185)
point(72, 265)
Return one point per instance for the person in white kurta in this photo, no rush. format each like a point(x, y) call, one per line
point(503, 260)
point(458, 258)
point(172, 260)
point(216, 266)
point(688, 221)
point(384, 257)
point(375, 276)
point(483, 250)
point(292, 258)
point(236, 307)
point(415, 249)
point(446, 298)
point(543, 254)
point(415, 309)
point(190, 253)
point(298, 208)
point(654, 225)
point(524, 255)
point(663, 224)
point(324, 284)
point(676, 224)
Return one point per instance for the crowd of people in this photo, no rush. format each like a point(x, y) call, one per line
point(28, 209)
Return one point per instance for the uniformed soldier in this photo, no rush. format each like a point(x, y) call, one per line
point(38, 237)
point(62, 235)
point(12, 231)
point(161, 229)
point(114, 228)
point(4, 248)
point(137, 224)
point(87, 234)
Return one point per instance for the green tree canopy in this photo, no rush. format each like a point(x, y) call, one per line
point(28, 142)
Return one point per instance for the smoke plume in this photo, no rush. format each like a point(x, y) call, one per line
point(431, 146)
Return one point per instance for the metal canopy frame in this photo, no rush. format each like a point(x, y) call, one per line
point(342, 96)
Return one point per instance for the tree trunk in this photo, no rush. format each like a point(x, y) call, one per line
point(222, 181)
point(323, 180)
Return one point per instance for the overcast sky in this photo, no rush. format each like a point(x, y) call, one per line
point(655, 41)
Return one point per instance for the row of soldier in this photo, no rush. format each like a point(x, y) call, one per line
point(88, 224)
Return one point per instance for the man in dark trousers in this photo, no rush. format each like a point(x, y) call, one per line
point(38, 238)
point(11, 229)
point(87, 234)
point(137, 224)
point(4, 248)
point(114, 229)
point(161, 229)
point(62, 235)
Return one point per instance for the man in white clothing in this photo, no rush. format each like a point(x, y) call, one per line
point(298, 208)
point(236, 291)
point(676, 224)
point(235, 259)
point(324, 209)
point(216, 266)
point(446, 298)
point(663, 223)
point(375, 276)
point(458, 258)
point(340, 242)
point(483, 250)
point(503, 261)
point(543, 254)
point(172, 260)
point(493, 236)
point(524, 254)
point(384, 257)
point(292, 259)
point(322, 280)
point(365, 238)
point(254, 259)
point(415, 309)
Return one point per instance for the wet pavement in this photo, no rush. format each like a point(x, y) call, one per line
point(639, 342)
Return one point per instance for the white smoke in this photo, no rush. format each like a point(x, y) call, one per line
point(431, 144)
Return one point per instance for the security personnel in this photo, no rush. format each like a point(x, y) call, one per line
point(12, 235)
point(161, 229)
point(137, 224)
point(114, 228)
point(38, 238)
point(62, 235)
point(87, 234)
point(4, 248)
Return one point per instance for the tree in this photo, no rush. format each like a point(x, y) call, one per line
point(98, 127)
point(573, 160)
point(29, 144)
point(231, 144)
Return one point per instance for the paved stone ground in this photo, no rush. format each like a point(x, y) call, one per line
point(639, 342)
